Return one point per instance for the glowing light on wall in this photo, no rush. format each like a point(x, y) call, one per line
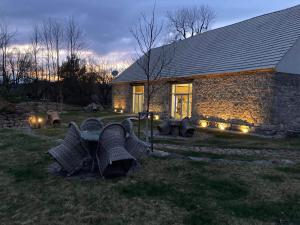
point(204, 123)
point(223, 126)
point(245, 129)
point(156, 117)
point(35, 121)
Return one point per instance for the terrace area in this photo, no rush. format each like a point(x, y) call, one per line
point(212, 178)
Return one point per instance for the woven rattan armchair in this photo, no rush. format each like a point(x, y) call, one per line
point(187, 129)
point(113, 159)
point(71, 154)
point(136, 147)
point(91, 124)
point(164, 128)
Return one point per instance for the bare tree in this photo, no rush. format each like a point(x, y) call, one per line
point(5, 40)
point(74, 37)
point(46, 34)
point(151, 60)
point(20, 65)
point(57, 35)
point(35, 48)
point(187, 22)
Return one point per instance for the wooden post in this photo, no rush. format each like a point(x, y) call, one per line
point(151, 116)
point(139, 127)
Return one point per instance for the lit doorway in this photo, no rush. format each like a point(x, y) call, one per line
point(138, 99)
point(181, 101)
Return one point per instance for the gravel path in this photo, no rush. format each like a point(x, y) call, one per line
point(293, 155)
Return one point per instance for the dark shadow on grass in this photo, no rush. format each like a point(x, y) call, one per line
point(287, 211)
point(272, 178)
point(28, 172)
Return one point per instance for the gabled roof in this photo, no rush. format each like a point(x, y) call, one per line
point(262, 42)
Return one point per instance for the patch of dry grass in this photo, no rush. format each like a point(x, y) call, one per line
point(165, 191)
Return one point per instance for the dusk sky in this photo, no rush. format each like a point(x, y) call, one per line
point(106, 23)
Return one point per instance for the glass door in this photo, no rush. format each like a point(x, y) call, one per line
point(138, 99)
point(181, 101)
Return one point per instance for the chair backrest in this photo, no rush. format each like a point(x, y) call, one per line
point(112, 135)
point(128, 125)
point(91, 124)
point(72, 137)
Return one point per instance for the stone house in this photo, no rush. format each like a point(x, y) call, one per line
point(243, 75)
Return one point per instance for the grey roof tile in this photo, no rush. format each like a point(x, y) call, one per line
point(256, 43)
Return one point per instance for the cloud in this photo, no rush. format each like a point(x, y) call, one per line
point(107, 22)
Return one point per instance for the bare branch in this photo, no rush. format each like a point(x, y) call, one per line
point(187, 22)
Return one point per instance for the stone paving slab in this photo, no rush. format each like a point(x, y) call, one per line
point(293, 155)
point(282, 162)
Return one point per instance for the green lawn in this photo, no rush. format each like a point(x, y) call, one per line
point(203, 138)
point(164, 191)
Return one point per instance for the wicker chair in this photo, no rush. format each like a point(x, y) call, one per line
point(128, 125)
point(113, 159)
point(91, 124)
point(186, 130)
point(71, 154)
point(164, 128)
point(53, 117)
point(136, 147)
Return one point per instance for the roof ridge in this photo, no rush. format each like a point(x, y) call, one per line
point(252, 18)
point(229, 25)
point(238, 46)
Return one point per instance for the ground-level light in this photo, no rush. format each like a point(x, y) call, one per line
point(245, 129)
point(222, 126)
point(156, 117)
point(204, 123)
point(35, 121)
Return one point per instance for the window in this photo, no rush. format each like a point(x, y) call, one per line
point(138, 99)
point(181, 101)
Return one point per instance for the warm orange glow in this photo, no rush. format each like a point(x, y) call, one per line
point(156, 117)
point(35, 121)
point(204, 123)
point(223, 126)
point(119, 103)
point(245, 129)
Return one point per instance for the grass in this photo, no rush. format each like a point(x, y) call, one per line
point(203, 138)
point(164, 191)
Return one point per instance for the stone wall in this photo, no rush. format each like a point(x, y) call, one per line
point(246, 98)
point(12, 120)
point(270, 101)
point(286, 105)
point(160, 99)
point(122, 97)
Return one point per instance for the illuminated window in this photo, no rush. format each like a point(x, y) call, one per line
point(138, 99)
point(181, 101)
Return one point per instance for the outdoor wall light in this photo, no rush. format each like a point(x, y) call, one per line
point(222, 126)
point(35, 121)
point(245, 129)
point(204, 123)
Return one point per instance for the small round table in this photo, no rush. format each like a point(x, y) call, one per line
point(91, 138)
